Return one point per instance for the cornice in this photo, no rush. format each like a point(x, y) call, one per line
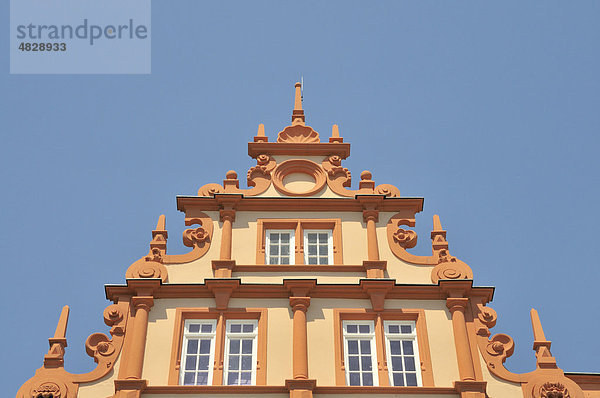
point(265, 290)
point(299, 149)
point(189, 204)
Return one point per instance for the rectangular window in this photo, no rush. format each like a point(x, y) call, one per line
point(318, 247)
point(198, 352)
point(240, 352)
point(279, 247)
point(359, 353)
point(402, 353)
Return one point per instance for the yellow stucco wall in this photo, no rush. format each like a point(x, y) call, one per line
point(498, 388)
point(104, 387)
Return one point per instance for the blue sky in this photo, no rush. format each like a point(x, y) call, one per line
point(488, 110)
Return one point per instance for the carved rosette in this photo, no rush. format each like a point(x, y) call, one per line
point(450, 267)
point(144, 268)
point(195, 237)
point(405, 238)
point(49, 389)
point(555, 385)
point(554, 390)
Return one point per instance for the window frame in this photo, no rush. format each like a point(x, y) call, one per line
point(361, 337)
point(342, 315)
point(299, 225)
point(227, 346)
point(402, 337)
point(184, 356)
point(292, 242)
point(259, 315)
point(329, 245)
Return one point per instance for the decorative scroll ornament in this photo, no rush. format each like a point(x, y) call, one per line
point(258, 179)
point(450, 268)
point(547, 381)
point(53, 381)
point(195, 236)
point(145, 268)
point(298, 134)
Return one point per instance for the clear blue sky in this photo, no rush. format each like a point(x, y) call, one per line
point(488, 110)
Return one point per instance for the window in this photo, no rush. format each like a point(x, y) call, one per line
point(402, 353)
point(279, 247)
point(385, 348)
point(360, 354)
point(214, 347)
point(318, 247)
point(299, 242)
point(198, 352)
point(240, 349)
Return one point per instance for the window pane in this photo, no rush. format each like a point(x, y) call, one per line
point(192, 347)
point(273, 260)
point(352, 328)
point(202, 379)
point(188, 378)
point(364, 329)
point(246, 346)
point(236, 328)
point(352, 347)
point(285, 238)
point(203, 362)
point(365, 347)
point(322, 250)
point(274, 238)
point(190, 363)
point(398, 379)
point(365, 362)
point(248, 328)
point(367, 379)
point(285, 260)
point(234, 346)
point(395, 347)
point(232, 378)
point(194, 328)
point(312, 250)
point(206, 328)
point(274, 250)
point(393, 329)
point(406, 328)
point(323, 260)
point(322, 238)
point(285, 250)
point(397, 363)
point(407, 347)
point(409, 363)
point(246, 362)
point(312, 238)
point(204, 346)
point(234, 362)
point(246, 378)
point(355, 379)
point(353, 363)
point(411, 379)
point(312, 260)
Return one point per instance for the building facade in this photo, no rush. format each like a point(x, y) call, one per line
point(300, 286)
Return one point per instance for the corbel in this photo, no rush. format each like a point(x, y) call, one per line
point(377, 290)
point(222, 290)
point(299, 287)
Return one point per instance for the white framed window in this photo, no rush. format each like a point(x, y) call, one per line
point(197, 354)
point(402, 353)
point(318, 247)
point(359, 353)
point(240, 352)
point(279, 246)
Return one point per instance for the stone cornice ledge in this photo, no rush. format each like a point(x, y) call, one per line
point(284, 389)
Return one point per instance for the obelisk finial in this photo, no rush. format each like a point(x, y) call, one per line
point(298, 113)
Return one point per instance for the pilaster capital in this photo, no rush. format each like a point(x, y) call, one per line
point(457, 304)
point(371, 215)
point(299, 303)
point(299, 287)
point(228, 214)
point(142, 302)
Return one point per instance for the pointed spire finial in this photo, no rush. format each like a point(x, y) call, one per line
point(437, 224)
point(260, 135)
point(298, 113)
